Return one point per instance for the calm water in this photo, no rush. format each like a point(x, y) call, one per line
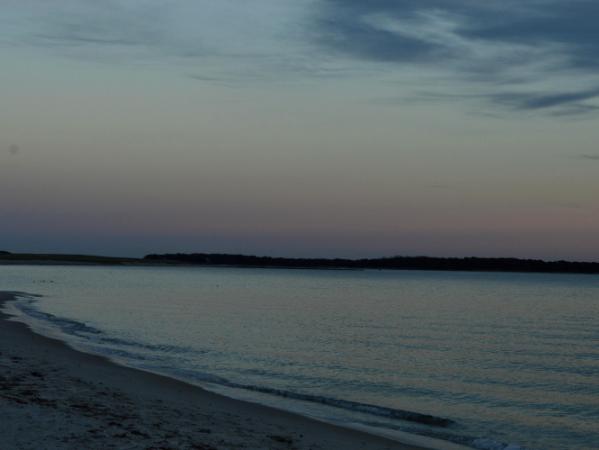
point(510, 358)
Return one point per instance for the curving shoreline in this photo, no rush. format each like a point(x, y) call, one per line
point(54, 396)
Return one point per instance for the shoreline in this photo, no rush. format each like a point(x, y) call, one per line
point(53, 395)
point(6, 263)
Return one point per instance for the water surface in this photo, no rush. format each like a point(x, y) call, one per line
point(509, 358)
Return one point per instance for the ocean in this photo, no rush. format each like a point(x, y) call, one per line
point(490, 360)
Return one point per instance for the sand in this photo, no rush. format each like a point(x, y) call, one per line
point(55, 397)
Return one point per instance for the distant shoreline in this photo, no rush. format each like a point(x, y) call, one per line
point(469, 264)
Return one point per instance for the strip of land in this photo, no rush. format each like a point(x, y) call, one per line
point(470, 264)
point(55, 397)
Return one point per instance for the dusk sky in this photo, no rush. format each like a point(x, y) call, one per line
point(300, 127)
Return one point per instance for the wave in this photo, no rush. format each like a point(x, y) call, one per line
point(450, 436)
point(366, 408)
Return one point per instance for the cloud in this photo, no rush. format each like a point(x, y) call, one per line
point(103, 23)
point(103, 29)
point(558, 103)
point(213, 39)
point(517, 56)
point(537, 46)
point(594, 157)
point(455, 30)
point(569, 103)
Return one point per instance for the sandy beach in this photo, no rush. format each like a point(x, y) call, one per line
point(54, 397)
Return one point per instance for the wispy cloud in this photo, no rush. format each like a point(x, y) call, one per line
point(533, 46)
point(214, 36)
point(462, 32)
point(517, 56)
point(548, 100)
point(70, 23)
point(571, 103)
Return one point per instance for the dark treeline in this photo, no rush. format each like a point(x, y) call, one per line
point(397, 263)
point(59, 258)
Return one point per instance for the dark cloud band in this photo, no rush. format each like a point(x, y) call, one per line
point(534, 41)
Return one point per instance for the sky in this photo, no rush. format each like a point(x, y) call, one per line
point(349, 128)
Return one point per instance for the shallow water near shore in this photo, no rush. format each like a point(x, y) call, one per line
point(507, 358)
